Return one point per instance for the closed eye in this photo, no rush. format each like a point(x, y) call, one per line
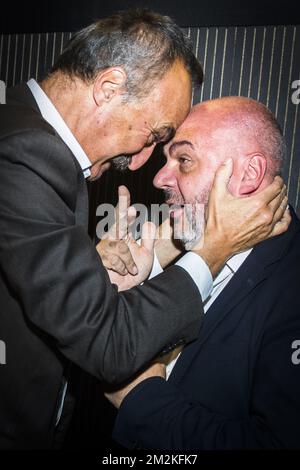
point(183, 159)
point(163, 135)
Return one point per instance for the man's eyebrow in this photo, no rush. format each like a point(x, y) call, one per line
point(176, 145)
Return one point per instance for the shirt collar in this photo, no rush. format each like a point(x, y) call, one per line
point(236, 261)
point(52, 116)
point(231, 266)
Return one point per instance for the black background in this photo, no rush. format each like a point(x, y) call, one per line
point(49, 16)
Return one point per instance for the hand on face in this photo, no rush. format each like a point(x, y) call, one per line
point(235, 224)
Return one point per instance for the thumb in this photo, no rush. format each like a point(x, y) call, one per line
point(148, 235)
point(222, 177)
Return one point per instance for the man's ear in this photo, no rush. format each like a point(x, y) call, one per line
point(254, 167)
point(108, 84)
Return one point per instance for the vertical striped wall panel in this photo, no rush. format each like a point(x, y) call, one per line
point(259, 62)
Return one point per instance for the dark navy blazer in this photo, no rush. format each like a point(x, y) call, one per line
point(238, 385)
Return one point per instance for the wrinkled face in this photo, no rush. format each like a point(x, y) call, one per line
point(193, 156)
point(132, 129)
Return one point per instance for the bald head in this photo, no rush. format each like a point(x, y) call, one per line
point(215, 130)
point(249, 125)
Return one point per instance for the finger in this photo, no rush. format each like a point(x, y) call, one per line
point(280, 211)
point(126, 256)
point(271, 213)
point(278, 200)
point(148, 235)
point(117, 230)
point(165, 230)
point(222, 177)
point(117, 265)
point(282, 225)
point(131, 214)
point(121, 212)
point(106, 262)
point(270, 193)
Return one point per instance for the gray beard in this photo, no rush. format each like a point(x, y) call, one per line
point(194, 222)
point(121, 163)
point(195, 219)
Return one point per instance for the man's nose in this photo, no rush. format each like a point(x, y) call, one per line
point(141, 158)
point(165, 178)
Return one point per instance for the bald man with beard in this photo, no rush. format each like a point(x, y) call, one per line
point(236, 386)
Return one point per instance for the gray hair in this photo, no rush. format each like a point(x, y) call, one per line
point(145, 43)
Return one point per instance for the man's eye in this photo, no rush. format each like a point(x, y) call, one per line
point(183, 160)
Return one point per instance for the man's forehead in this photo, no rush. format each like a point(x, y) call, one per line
point(173, 94)
point(186, 134)
point(203, 124)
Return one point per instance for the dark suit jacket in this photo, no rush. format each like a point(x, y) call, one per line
point(236, 386)
point(56, 298)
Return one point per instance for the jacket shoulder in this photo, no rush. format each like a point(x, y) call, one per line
point(17, 119)
point(30, 147)
point(23, 128)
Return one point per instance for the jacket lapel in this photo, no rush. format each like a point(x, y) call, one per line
point(257, 267)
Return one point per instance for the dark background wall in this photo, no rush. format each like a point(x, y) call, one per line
point(69, 15)
point(250, 49)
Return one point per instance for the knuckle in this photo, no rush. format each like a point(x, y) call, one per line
point(106, 262)
point(278, 183)
point(267, 217)
point(278, 186)
point(257, 205)
point(114, 259)
point(286, 226)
